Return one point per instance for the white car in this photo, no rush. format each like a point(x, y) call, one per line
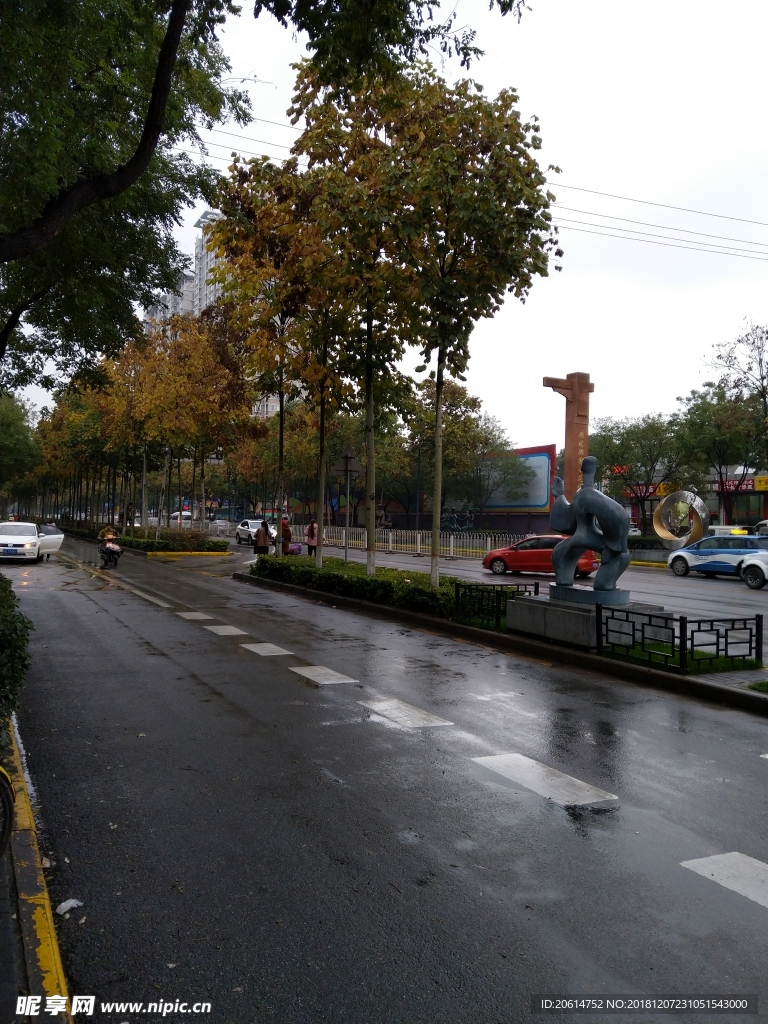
point(719, 556)
point(246, 530)
point(754, 570)
point(186, 520)
point(28, 541)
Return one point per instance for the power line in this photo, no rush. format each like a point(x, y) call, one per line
point(666, 206)
point(651, 234)
point(235, 135)
point(665, 227)
point(670, 245)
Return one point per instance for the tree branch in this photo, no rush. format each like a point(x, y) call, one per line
point(87, 191)
point(14, 318)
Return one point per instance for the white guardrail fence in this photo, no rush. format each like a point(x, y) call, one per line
point(452, 545)
point(415, 542)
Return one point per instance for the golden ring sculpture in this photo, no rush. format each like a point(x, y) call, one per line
point(672, 519)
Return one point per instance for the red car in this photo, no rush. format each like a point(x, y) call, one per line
point(534, 554)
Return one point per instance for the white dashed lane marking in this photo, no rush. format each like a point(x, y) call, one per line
point(193, 615)
point(226, 630)
point(735, 871)
point(403, 714)
point(764, 755)
point(546, 781)
point(321, 675)
point(265, 650)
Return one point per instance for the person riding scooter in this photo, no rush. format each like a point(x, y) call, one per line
point(109, 549)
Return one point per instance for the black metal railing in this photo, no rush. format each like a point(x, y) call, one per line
point(485, 605)
point(677, 643)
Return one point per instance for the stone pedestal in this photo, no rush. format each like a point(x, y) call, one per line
point(565, 622)
point(588, 596)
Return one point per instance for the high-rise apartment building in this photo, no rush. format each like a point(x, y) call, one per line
point(205, 293)
point(174, 303)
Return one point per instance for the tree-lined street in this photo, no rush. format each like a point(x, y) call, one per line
point(297, 852)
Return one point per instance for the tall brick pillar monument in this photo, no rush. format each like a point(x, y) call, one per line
point(576, 389)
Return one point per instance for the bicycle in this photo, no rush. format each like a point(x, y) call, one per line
point(7, 799)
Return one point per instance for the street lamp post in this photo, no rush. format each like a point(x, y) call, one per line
point(347, 465)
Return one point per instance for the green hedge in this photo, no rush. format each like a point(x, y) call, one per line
point(14, 649)
point(643, 543)
point(144, 540)
point(393, 587)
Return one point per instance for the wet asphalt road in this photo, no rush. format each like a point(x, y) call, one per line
point(239, 836)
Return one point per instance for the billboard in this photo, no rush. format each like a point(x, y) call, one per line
point(538, 497)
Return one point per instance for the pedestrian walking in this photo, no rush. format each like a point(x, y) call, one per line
point(262, 539)
point(311, 533)
point(287, 537)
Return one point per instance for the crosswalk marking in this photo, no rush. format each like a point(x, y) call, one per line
point(546, 781)
point(403, 714)
point(226, 630)
point(735, 871)
point(265, 650)
point(193, 615)
point(321, 675)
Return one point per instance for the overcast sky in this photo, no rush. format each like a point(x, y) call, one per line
point(657, 102)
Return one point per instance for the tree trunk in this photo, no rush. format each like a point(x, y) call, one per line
point(437, 497)
point(162, 493)
point(320, 502)
point(280, 461)
point(144, 489)
point(192, 488)
point(202, 487)
point(169, 475)
point(370, 451)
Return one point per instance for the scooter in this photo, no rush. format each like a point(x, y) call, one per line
point(110, 553)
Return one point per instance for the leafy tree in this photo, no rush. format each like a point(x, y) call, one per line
point(74, 301)
point(744, 367)
point(92, 90)
point(475, 221)
point(496, 469)
point(95, 96)
point(636, 455)
point(283, 278)
point(345, 135)
point(18, 451)
point(725, 432)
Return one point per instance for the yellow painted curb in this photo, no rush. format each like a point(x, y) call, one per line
point(653, 565)
point(45, 971)
point(188, 554)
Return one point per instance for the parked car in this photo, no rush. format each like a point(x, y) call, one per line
point(717, 556)
point(534, 554)
point(28, 541)
point(186, 520)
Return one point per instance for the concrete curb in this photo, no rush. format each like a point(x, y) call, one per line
point(45, 971)
point(745, 700)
